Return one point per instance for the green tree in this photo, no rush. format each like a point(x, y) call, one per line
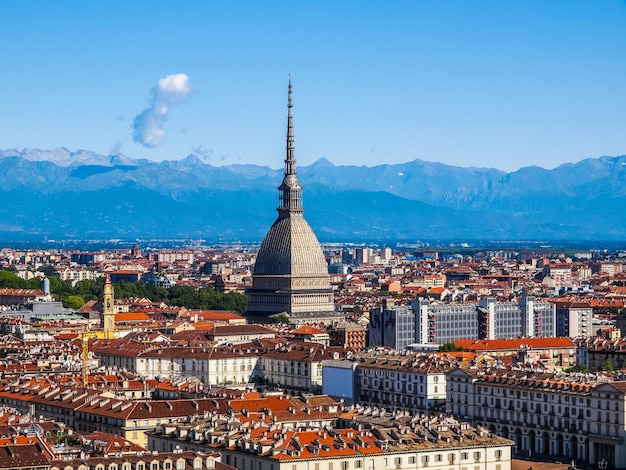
point(11, 281)
point(73, 301)
point(578, 368)
point(608, 366)
point(88, 289)
point(47, 270)
point(282, 318)
point(451, 347)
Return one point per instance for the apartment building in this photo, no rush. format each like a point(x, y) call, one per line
point(400, 442)
point(212, 365)
point(410, 382)
point(390, 379)
point(559, 352)
point(574, 319)
point(437, 322)
point(88, 411)
point(557, 416)
point(445, 322)
point(297, 366)
point(597, 352)
point(175, 460)
point(392, 326)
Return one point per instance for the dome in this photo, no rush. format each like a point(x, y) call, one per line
point(290, 248)
point(290, 275)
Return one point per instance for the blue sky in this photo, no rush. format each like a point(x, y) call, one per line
point(468, 83)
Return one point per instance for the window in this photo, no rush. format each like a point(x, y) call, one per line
point(464, 456)
point(397, 461)
point(358, 464)
point(425, 459)
point(438, 458)
point(451, 458)
point(412, 459)
point(180, 464)
point(476, 455)
point(498, 454)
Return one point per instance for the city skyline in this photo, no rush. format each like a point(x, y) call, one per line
point(483, 84)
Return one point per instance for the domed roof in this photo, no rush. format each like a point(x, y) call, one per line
point(290, 274)
point(291, 248)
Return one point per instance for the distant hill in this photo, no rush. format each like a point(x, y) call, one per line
point(63, 194)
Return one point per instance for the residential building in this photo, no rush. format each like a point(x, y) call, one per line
point(348, 335)
point(574, 319)
point(400, 443)
point(574, 417)
point(212, 365)
point(439, 322)
point(444, 322)
point(559, 352)
point(393, 326)
point(177, 459)
point(297, 366)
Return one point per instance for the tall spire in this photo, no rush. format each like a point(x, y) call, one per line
point(290, 161)
point(290, 191)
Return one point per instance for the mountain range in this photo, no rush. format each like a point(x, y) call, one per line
point(84, 195)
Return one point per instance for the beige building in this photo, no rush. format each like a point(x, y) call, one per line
point(402, 443)
point(87, 411)
point(218, 365)
point(402, 381)
point(175, 460)
point(564, 417)
point(297, 366)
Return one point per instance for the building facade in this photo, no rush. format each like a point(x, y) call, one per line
point(555, 416)
point(437, 322)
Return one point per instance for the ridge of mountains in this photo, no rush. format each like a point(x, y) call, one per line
point(84, 195)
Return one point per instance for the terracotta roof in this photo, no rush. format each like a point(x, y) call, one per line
point(131, 316)
point(309, 330)
point(21, 456)
point(516, 343)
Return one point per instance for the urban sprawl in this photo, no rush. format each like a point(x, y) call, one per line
point(295, 357)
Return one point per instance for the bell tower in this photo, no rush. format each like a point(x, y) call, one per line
point(108, 309)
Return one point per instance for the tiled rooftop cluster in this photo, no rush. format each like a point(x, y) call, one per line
point(370, 432)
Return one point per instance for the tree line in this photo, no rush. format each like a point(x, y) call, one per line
point(204, 298)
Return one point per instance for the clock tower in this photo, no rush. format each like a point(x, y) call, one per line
point(108, 309)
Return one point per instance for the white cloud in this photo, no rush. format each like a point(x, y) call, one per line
point(148, 125)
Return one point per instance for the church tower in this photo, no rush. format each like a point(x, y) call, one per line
point(291, 274)
point(108, 309)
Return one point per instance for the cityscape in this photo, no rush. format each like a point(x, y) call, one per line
point(434, 280)
point(289, 354)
